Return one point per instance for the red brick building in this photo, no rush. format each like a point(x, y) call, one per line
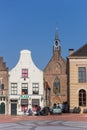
point(3, 87)
point(55, 77)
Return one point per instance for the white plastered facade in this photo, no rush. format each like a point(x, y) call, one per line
point(35, 75)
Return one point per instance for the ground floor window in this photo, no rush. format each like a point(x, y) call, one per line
point(82, 97)
point(35, 103)
point(24, 104)
point(24, 107)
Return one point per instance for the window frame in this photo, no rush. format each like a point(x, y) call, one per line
point(35, 88)
point(82, 97)
point(56, 86)
point(14, 90)
point(24, 73)
point(24, 86)
point(81, 74)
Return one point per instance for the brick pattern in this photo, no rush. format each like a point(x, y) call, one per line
point(64, 117)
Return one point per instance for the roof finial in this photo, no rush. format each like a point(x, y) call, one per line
point(56, 35)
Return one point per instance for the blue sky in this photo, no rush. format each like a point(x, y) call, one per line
point(31, 24)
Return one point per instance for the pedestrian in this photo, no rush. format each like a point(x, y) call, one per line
point(30, 112)
point(38, 110)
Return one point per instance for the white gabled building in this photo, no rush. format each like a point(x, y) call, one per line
point(25, 85)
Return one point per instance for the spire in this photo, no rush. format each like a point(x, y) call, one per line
point(56, 46)
point(56, 35)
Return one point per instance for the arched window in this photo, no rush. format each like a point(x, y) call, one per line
point(56, 86)
point(82, 97)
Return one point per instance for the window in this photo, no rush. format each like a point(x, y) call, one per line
point(1, 85)
point(14, 88)
point(82, 74)
point(35, 102)
point(0, 98)
point(56, 86)
point(82, 97)
point(35, 88)
point(24, 108)
point(24, 73)
point(3, 98)
point(24, 88)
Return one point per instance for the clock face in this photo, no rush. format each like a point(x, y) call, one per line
point(56, 43)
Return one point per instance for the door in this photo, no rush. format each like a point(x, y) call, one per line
point(2, 108)
point(13, 109)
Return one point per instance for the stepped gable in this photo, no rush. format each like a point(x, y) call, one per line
point(2, 64)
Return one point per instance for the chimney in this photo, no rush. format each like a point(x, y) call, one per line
point(71, 51)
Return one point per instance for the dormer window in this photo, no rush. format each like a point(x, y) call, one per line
point(24, 73)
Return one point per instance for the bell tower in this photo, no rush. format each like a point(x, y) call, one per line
point(56, 46)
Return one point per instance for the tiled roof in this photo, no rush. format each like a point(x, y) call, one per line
point(81, 51)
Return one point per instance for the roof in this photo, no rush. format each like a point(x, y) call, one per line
point(80, 52)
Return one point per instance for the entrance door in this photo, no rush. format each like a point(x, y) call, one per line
point(13, 109)
point(2, 108)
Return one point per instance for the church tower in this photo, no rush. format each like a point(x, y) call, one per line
point(56, 45)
